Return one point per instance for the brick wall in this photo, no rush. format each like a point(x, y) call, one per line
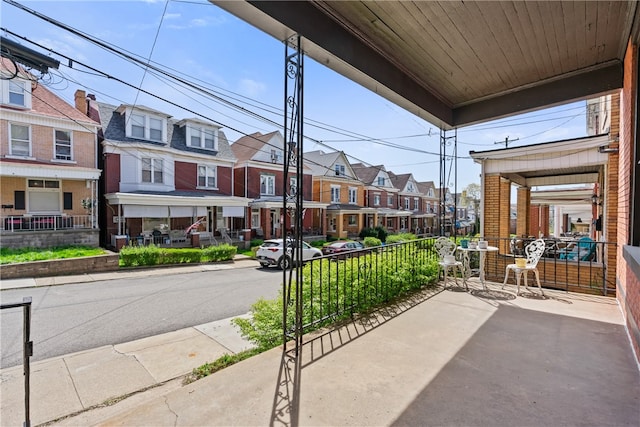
point(523, 212)
point(60, 267)
point(627, 280)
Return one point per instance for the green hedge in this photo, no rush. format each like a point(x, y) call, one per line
point(391, 278)
point(136, 256)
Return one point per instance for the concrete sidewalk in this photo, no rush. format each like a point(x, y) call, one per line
point(438, 358)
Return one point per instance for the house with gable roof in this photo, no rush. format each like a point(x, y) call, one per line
point(336, 183)
point(380, 194)
point(430, 202)
point(259, 177)
point(165, 179)
point(48, 171)
point(409, 202)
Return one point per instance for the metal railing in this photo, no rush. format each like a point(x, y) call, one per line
point(16, 223)
point(27, 351)
point(338, 286)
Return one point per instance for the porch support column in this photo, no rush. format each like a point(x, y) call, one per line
point(505, 215)
point(523, 211)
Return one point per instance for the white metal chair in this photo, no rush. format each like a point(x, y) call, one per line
point(446, 248)
point(533, 252)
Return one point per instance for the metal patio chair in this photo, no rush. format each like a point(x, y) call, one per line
point(446, 248)
point(533, 252)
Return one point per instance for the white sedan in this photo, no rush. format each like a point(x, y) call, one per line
point(271, 252)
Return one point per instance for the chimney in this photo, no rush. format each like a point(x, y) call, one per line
point(81, 101)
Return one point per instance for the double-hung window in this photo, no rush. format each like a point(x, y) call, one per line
point(381, 181)
point(416, 203)
point(339, 169)
point(353, 195)
point(406, 203)
point(62, 145)
point(389, 200)
point(15, 92)
point(202, 137)
point(207, 176)
point(267, 185)
point(255, 218)
point(152, 170)
point(20, 144)
point(376, 200)
point(142, 125)
point(335, 194)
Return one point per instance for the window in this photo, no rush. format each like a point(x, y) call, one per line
point(155, 129)
point(43, 196)
point(137, 126)
point(202, 137)
point(293, 186)
point(207, 176)
point(353, 195)
point(389, 200)
point(144, 126)
point(276, 156)
point(428, 208)
point(152, 170)
point(16, 92)
point(416, 203)
point(352, 220)
point(431, 192)
point(335, 194)
point(63, 145)
point(376, 200)
point(339, 170)
point(20, 140)
point(267, 185)
point(255, 218)
point(381, 180)
point(406, 203)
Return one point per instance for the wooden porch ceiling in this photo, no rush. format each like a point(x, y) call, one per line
point(455, 63)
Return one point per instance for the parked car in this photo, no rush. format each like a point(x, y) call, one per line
point(343, 249)
point(272, 252)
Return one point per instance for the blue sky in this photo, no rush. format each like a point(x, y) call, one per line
point(212, 48)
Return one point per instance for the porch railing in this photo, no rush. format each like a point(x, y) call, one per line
point(338, 286)
point(19, 223)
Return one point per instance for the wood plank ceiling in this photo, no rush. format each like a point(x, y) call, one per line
point(455, 63)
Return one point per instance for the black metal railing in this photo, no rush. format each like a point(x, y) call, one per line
point(27, 351)
point(569, 264)
point(340, 285)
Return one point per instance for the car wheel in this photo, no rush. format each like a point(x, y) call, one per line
point(284, 263)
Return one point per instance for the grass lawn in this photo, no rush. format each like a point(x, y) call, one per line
point(12, 256)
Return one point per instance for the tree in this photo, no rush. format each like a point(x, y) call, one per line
point(471, 196)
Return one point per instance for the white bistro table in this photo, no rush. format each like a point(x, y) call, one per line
point(465, 261)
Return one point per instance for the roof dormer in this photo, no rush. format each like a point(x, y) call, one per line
point(200, 134)
point(144, 123)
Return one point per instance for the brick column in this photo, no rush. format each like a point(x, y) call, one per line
point(523, 211)
point(544, 221)
point(505, 214)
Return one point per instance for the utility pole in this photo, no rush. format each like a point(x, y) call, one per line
point(506, 142)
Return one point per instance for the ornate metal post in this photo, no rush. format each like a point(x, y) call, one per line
point(445, 177)
point(293, 185)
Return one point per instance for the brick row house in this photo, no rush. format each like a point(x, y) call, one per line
point(48, 170)
point(380, 194)
point(336, 183)
point(164, 178)
point(259, 177)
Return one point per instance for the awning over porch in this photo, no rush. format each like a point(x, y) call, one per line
point(392, 212)
point(176, 199)
point(349, 209)
point(276, 202)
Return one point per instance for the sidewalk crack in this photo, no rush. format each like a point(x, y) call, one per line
point(166, 402)
point(75, 389)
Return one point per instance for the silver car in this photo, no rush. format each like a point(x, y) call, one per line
point(271, 252)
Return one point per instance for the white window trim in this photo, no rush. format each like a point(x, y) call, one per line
point(416, 203)
point(269, 177)
point(333, 188)
point(153, 165)
point(147, 125)
point(207, 169)
point(31, 190)
point(192, 130)
point(54, 158)
point(376, 200)
point(353, 191)
point(26, 84)
point(255, 218)
point(20, 156)
point(407, 203)
point(389, 199)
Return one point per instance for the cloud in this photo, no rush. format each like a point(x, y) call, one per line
point(172, 16)
point(207, 21)
point(251, 88)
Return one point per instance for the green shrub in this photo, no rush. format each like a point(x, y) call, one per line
point(367, 289)
point(382, 233)
point(137, 256)
point(256, 242)
point(318, 243)
point(371, 242)
point(368, 232)
point(222, 252)
point(401, 237)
